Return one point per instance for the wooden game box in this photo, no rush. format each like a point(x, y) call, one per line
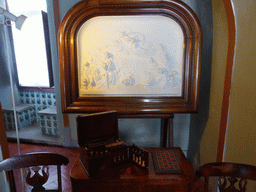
point(100, 145)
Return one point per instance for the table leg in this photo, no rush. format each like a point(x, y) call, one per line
point(167, 131)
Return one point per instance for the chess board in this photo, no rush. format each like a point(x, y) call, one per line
point(165, 162)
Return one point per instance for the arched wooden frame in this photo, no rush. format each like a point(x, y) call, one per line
point(137, 105)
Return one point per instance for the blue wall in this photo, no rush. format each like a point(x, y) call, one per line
point(5, 85)
point(198, 120)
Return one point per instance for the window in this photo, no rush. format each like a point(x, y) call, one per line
point(31, 44)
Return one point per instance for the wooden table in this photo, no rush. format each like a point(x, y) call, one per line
point(131, 178)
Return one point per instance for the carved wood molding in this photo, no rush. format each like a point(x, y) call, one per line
point(77, 16)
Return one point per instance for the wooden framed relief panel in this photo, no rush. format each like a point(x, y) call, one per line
point(135, 57)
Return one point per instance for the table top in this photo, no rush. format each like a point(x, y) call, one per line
point(130, 171)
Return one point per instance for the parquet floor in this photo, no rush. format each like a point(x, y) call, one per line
point(70, 153)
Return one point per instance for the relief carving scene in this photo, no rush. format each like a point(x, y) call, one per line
point(130, 56)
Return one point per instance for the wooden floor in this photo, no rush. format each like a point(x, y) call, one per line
point(70, 153)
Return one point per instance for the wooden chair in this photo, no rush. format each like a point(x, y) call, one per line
point(34, 162)
point(227, 171)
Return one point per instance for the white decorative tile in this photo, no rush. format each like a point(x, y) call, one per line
point(26, 115)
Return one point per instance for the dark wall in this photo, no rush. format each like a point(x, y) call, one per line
point(198, 120)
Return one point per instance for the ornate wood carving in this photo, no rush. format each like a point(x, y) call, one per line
point(225, 187)
point(232, 177)
point(130, 105)
point(35, 179)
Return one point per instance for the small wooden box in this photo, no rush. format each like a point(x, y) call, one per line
point(100, 145)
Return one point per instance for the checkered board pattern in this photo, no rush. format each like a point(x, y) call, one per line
point(165, 162)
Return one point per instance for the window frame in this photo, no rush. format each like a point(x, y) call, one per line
point(48, 57)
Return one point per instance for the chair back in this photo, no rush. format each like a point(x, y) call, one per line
point(32, 162)
point(229, 174)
